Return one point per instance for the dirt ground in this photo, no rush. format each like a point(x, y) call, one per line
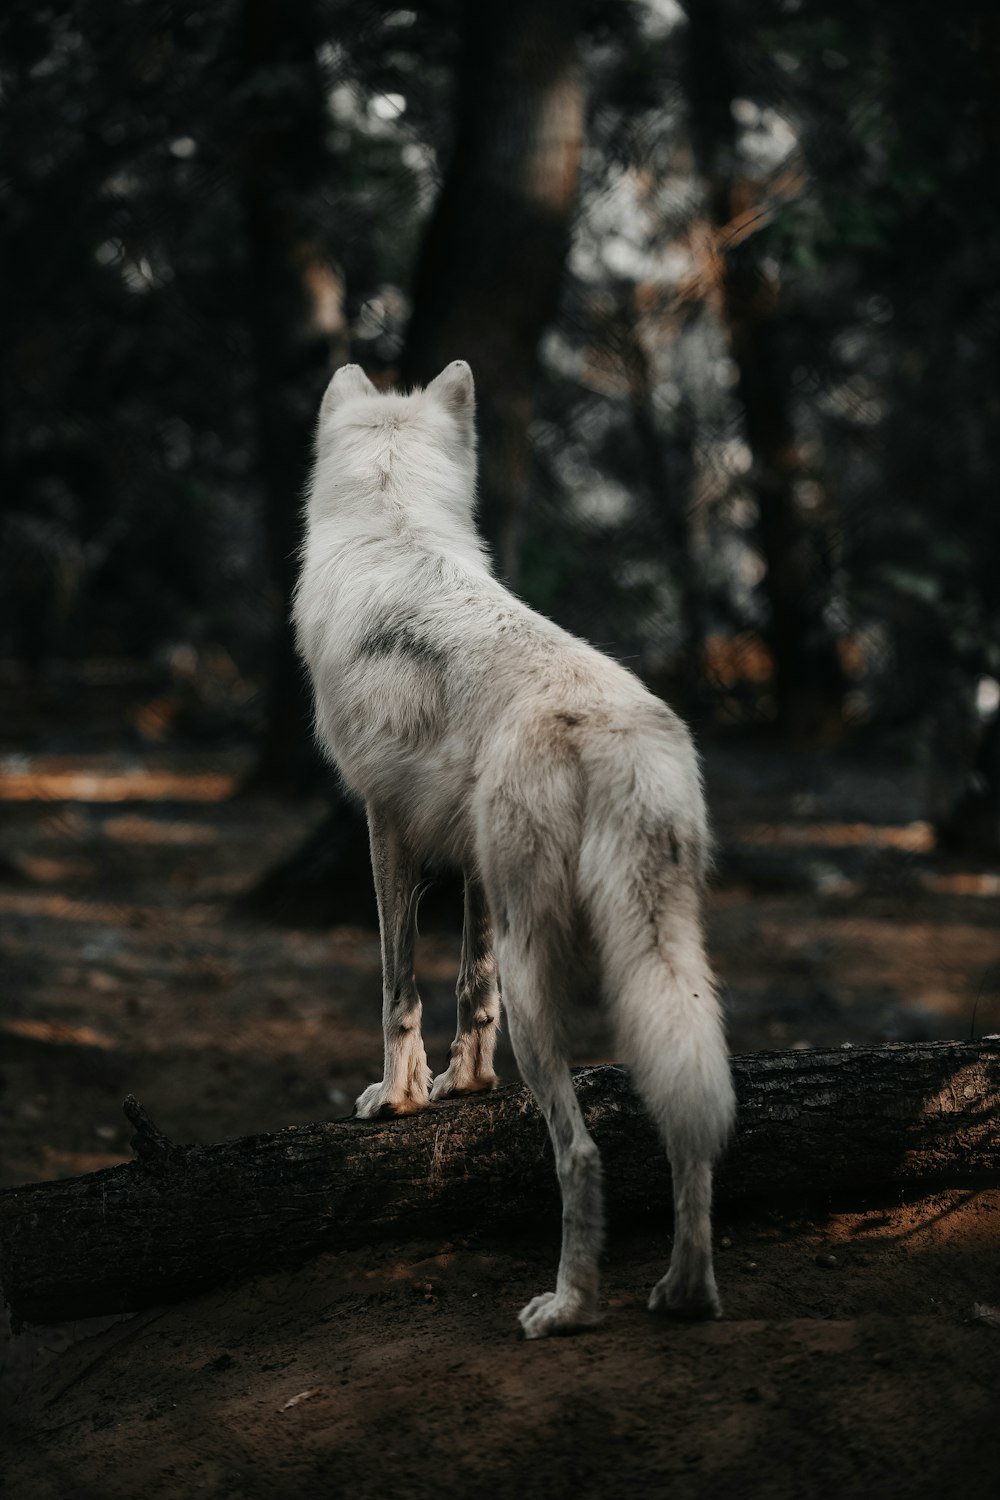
point(126, 968)
point(397, 1371)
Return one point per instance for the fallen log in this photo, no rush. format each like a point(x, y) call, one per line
point(812, 1125)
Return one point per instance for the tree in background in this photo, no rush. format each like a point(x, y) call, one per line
point(898, 237)
point(294, 311)
point(488, 274)
point(194, 215)
point(484, 289)
point(794, 542)
point(752, 299)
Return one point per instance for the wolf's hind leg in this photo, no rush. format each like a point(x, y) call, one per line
point(471, 1068)
point(672, 1038)
point(533, 1016)
point(405, 1074)
point(688, 1290)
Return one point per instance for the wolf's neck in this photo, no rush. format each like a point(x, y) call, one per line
point(378, 528)
point(385, 504)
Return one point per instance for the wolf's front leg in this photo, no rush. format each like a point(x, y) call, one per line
point(471, 1068)
point(405, 1074)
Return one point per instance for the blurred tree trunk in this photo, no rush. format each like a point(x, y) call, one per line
point(668, 485)
point(971, 824)
point(485, 287)
point(975, 821)
point(941, 438)
point(968, 821)
point(809, 680)
point(487, 277)
point(293, 316)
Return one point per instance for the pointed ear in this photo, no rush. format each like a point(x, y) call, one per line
point(455, 389)
point(350, 380)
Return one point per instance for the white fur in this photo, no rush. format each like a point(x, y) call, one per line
point(481, 734)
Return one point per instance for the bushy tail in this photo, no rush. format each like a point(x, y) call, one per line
point(671, 1035)
point(641, 865)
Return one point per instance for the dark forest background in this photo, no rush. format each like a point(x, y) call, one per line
point(727, 275)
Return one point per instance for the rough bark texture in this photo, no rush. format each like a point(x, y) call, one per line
point(812, 1125)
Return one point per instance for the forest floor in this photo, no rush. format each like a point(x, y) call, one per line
point(128, 968)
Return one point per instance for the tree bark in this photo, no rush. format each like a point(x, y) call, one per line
point(485, 287)
point(488, 274)
point(297, 333)
point(813, 1125)
point(809, 682)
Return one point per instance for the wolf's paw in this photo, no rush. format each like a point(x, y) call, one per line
point(382, 1099)
point(557, 1312)
point(674, 1299)
point(458, 1079)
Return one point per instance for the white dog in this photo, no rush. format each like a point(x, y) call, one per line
point(480, 734)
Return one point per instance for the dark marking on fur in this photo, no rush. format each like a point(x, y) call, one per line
point(570, 720)
point(664, 863)
point(404, 637)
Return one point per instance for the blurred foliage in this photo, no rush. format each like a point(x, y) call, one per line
point(132, 514)
point(846, 167)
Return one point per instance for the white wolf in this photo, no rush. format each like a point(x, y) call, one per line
point(481, 734)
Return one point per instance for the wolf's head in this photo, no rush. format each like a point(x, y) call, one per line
point(356, 419)
point(352, 399)
point(411, 458)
